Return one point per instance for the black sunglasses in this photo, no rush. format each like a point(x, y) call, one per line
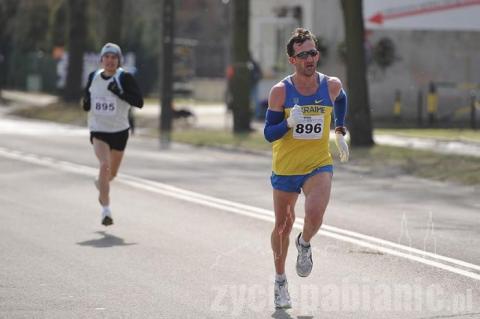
point(303, 55)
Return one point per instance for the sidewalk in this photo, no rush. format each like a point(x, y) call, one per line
point(213, 116)
point(207, 115)
point(216, 116)
point(431, 144)
point(35, 99)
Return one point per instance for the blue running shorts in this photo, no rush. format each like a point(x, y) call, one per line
point(294, 183)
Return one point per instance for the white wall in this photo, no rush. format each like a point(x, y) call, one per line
point(209, 89)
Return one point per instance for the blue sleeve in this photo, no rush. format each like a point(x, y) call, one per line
point(275, 125)
point(340, 109)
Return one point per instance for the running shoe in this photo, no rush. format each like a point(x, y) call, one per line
point(304, 258)
point(107, 219)
point(282, 297)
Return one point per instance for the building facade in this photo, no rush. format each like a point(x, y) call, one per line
point(411, 46)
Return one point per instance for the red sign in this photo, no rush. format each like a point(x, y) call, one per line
point(413, 10)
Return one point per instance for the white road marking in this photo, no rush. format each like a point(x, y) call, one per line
point(438, 261)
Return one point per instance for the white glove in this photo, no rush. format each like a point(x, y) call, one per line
point(296, 116)
point(342, 147)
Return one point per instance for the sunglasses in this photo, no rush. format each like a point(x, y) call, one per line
point(303, 55)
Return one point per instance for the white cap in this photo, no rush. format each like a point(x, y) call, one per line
point(111, 48)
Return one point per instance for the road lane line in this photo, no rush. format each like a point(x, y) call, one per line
point(332, 229)
point(256, 212)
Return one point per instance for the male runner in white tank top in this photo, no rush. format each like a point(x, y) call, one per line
point(109, 94)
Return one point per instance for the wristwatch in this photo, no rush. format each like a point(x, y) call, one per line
point(341, 129)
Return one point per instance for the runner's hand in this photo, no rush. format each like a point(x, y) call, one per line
point(85, 104)
point(342, 147)
point(113, 87)
point(296, 116)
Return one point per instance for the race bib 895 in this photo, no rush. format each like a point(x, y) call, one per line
point(105, 105)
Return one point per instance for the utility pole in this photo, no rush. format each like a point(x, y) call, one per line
point(473, 113)
point(240, 84)
point(167, 73)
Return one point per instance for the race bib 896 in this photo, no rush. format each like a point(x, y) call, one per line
point(310, 128)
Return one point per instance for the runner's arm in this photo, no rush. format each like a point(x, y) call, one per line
point(340, 111)
point(339, 97)
point(275, 122)
point(131, 92)
point(86, 93)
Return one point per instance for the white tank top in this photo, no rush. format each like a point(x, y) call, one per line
point(108, 113)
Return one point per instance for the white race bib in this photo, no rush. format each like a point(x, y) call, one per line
point(310, 128)
point(105, 106)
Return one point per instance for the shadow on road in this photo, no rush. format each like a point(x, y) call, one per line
point(106, 241)
point(282, 314)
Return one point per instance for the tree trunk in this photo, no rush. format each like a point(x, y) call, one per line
point(59, 24)
point(241, 78)
point(168, 35)
point(76, 47)
point(359, 123)
point(114, 17)
point(8, 12)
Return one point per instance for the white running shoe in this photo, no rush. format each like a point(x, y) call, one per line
point(282, 297)
point(304, 259)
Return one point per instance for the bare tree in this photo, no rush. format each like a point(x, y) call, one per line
point(114, 21)
point(77, 36)
point(360, 125)
point(58, 24)
point(8, 13)
point(8, 10)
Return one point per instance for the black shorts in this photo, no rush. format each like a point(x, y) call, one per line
point(117, 140)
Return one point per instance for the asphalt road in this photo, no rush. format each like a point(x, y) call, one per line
point(191, 237)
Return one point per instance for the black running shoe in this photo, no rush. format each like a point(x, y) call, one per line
point(107, 221)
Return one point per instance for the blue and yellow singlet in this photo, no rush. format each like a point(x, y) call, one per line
point(305, 147)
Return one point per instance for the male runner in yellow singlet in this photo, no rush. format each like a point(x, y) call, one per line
point(298, 126)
